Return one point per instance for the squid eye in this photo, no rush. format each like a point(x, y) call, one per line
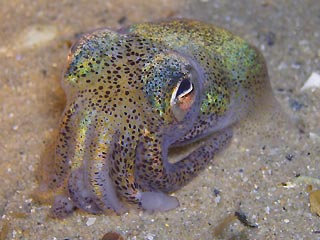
point(184, 88)
point(182, 98)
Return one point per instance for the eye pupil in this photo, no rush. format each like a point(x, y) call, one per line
point(184, 88)
point(183, 98)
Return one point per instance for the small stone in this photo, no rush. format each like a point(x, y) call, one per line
point(270, 38)
point(296, 65)
point(36, 35)
point(288, 185)
point(267, 210)
point(312, 82)
point(314, 137)
point(216, 191)
point(150, 236)
point(295, 104)
point(289, 157)
point(90, 221)
point(112, 236)
point(315, 202)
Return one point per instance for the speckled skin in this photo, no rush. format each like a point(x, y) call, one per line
point(122, 119)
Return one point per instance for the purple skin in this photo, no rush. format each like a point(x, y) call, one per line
point(135, 96)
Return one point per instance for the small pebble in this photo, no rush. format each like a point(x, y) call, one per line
point(314, 199)
point(314, 137)
point(216, 192)
point(244, 220)
point(90, 221)
point(296, 65)
point(267, 210)
point(289, 157)
point(267, 37)
point(36, 35)
point(150, 236)
point(312, 82)
point(295, 105)
point(112, 236)
point(270, 38)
